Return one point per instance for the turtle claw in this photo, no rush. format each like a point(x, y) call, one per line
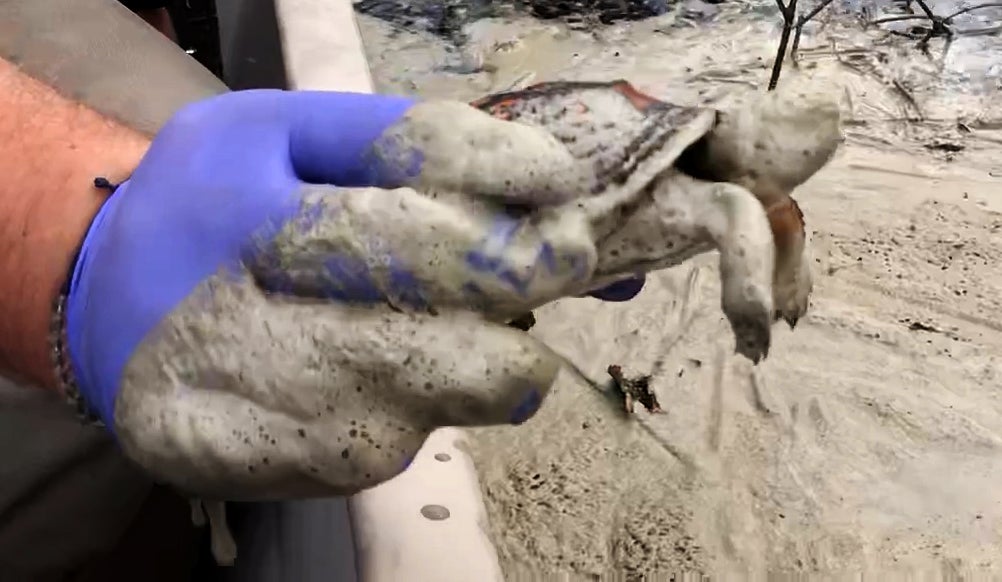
point(793, 299)
point(791, 319)
point(753, 334)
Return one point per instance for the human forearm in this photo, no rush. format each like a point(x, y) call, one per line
point(104, 56)
point(51, 150)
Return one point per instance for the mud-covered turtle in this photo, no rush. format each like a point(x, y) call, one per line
point(713, 175)
point(564, 188)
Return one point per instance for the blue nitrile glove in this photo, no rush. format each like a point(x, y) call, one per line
point(247, 330)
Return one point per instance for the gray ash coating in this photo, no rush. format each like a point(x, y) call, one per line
point(447, 18)
point(241, 394)
point(614, 137)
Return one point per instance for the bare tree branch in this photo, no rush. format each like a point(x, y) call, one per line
point(789, 12)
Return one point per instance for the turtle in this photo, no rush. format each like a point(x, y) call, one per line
point(719, 179)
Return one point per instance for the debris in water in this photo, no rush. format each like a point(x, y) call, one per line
point(945, 146)
point(948, 148)
point(919, 326)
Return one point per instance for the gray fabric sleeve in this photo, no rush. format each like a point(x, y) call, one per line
point(306, 541)
point(65, 491)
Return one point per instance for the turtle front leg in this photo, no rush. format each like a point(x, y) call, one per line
point(735, 220)
point(687, 217)
point(792, 283)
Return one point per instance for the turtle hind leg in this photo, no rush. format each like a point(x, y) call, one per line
point(792, 281)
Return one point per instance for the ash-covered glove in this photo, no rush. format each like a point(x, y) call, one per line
point(246, 329)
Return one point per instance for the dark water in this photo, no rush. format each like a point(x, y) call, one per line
point(447, 17)
point(970, 62)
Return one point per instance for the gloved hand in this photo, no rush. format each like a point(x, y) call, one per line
point(247, 330)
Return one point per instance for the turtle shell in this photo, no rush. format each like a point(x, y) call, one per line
point(621, 136)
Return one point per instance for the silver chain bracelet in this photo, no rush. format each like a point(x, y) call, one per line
point(65, 379)
point(58, 344)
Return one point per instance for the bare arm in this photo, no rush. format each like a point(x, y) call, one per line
point(101, 54)
point(103, 57)
point(51, 149)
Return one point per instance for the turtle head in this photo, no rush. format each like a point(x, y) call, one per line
point(769, 143)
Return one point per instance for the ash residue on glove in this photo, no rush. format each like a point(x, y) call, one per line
point(243, 395)
point(422, 254)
